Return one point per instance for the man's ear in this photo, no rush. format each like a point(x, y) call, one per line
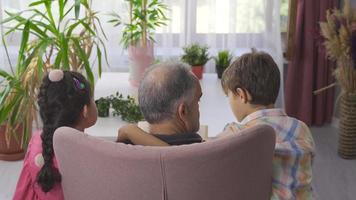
point(182, 110)
point(242, 94)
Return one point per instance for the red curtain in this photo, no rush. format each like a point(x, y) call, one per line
point(309, 68)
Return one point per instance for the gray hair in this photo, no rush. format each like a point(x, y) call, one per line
point(163, 87)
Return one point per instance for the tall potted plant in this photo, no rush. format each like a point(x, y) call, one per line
point(56, 42)
point(222, 61)
point(197, 56)
point(339, 32)
point(137, 35)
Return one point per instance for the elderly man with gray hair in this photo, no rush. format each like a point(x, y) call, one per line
point(168, 97)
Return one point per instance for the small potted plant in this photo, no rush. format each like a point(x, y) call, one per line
point(127, 108)
point(103, 105)
point(143, 18)
point(197, 56)
point(222, 61)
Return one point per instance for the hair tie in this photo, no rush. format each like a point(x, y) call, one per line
point(78, 85)
point(56, 75)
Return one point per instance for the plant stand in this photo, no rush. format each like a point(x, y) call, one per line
point(347, 126)
point(141, 58)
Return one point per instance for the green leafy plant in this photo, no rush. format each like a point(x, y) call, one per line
point(103, 106)
point(47, 42)
point(195, 54)
point(126, 108)
point(144, 17)
point(223, 59)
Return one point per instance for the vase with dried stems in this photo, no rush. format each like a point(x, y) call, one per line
point(339, 32)
point(62, 41)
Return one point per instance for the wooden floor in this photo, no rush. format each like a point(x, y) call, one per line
point(333, 177)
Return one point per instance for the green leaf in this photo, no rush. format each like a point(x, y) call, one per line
point(77, 8)
point(23, 46)
point(105, 51)
point(4, 94)
point(87, 27)
point(48, 5)
point(99, 59)
point(37, 30)
point(5, 111)
point(65, 52)
point(36, 3)
point(71, 28)
point(57, 62)
point(5, 75)
point(101, 27)
point(85, 4)
point(85, 60)
point(61, 9)
point(12, 16)
point(15, 110)
point(68, 11)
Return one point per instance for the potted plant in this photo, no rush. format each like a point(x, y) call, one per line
point(339, 32)
point(127, 108)
point(56, 42)
point(103, 105)
point(144, 17)
point(197, 56)
point(222, 61)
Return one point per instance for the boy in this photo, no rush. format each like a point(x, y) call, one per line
point(252, 84)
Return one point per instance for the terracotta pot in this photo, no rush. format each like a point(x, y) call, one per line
point(13, 151)
point(141, 58)
point(198, 71)
point(347, 126)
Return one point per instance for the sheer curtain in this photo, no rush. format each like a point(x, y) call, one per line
point(236, 25)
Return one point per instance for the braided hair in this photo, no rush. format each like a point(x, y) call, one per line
point(60, 104)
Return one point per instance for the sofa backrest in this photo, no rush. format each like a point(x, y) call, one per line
point(234, 167)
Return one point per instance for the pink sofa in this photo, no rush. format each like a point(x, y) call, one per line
point(235, 167)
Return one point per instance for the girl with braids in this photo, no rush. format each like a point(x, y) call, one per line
point(64, 99)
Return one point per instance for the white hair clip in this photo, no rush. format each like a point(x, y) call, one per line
point(55, 75)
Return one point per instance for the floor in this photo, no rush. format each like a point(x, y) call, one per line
point(334, 178)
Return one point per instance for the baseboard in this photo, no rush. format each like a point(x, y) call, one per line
point(335, 122)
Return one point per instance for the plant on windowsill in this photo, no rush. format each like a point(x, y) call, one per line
point(222, 61)
point(144, 17)
point(103, 106)
point(196, 56)
point(126, 108)
point(47, 42)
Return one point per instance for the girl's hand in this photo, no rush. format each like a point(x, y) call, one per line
point(137, 136)
point(125, 131)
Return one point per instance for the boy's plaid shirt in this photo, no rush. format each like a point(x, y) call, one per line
point(293, 157)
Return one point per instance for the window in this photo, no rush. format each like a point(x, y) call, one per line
point(230, 16)
point(222, 16)
point(284, 15)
